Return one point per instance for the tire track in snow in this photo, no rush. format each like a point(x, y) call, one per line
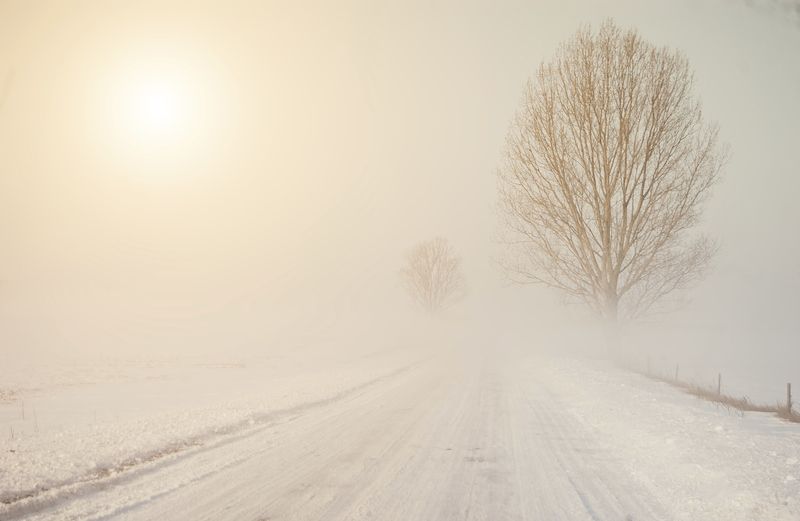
point(466, 438)
point(583, 477)
point(25, 503)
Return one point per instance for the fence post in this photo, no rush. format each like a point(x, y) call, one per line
point(789, 398)
point(719, 384)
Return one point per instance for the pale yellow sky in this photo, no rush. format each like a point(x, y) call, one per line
point(314, 143)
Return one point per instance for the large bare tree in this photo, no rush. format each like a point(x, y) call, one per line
point(432, 275)
point(608, 164)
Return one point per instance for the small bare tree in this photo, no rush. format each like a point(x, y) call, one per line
point(432, 275)
point(608, 163)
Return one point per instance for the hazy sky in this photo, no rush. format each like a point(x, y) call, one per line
point(181, 175)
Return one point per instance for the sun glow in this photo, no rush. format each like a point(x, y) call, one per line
point(157, 109)
point(159, 112)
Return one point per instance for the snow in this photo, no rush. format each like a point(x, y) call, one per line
point(76, 421)
point(706, 461)
point(398, 435)
point(756, 366)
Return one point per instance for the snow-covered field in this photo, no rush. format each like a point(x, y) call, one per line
point(756, 366)
point(67, 421)
point(392, 435)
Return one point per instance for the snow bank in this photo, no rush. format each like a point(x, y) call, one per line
point(707, 462)
point(96, 419)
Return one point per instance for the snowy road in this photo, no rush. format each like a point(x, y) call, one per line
point(474, 441)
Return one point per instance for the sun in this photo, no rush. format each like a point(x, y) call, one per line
point(153, 104)
point(156, 109)
point(160, 112)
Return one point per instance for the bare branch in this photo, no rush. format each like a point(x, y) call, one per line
point(432, 275)
point(608, 164)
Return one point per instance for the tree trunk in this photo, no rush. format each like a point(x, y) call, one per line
point(611, 327)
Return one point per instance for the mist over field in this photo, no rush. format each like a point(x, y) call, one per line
point(208, 217)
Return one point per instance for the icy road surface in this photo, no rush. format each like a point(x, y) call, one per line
point(465, 438)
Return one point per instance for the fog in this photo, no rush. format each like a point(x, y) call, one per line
point(211, 214)
point(315, 143)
